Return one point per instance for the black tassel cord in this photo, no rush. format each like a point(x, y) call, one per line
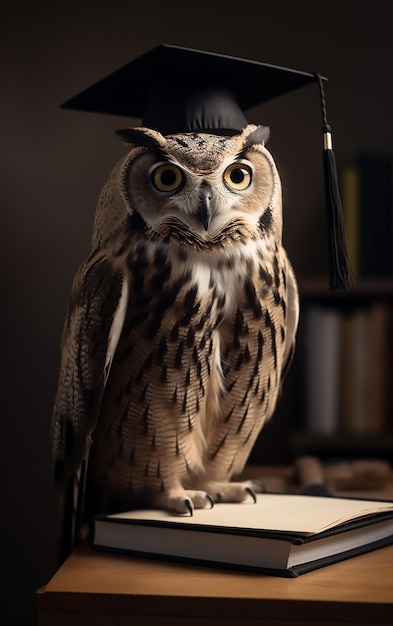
point(340, 274)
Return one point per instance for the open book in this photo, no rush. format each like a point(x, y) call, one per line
point(281, 534)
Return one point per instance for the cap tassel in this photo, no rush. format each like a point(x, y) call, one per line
point(339, 268)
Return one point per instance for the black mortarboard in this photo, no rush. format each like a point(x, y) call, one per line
point(176, 90)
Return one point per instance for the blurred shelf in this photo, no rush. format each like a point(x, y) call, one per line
point(368, 445)
point(318, 288)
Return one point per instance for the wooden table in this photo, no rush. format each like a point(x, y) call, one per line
point(102, 589)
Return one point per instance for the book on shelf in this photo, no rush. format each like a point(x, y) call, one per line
point(355, 367)
point(366, 192)
point(375, 214)
point(321, 338)
point(281, 534)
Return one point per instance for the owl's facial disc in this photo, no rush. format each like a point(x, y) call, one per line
point(203, 198)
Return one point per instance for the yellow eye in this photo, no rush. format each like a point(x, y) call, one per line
point(167, 177)
point(238, 176)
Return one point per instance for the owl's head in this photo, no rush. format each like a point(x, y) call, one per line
point(199, 186)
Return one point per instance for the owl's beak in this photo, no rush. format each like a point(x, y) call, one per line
point(204, 212)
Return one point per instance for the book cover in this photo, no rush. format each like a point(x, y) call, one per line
point(366, 368)
point(322, 337)
point(283, 535)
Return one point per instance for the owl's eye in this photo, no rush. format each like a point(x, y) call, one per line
point(167, 177)
point(238, 176)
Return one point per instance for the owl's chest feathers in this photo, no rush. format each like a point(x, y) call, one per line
point(194, 301)
point(193, 280)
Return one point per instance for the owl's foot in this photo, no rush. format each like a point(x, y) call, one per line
point(184, 501)
point(234, 492)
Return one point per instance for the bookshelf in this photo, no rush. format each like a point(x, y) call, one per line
point(343, 389)
point(342, 384)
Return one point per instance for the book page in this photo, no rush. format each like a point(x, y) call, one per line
point(301, 515)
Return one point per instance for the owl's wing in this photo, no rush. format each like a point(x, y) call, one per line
point(92, 329)
point(292, 319)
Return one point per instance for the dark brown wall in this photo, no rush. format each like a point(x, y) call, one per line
point(54, 162)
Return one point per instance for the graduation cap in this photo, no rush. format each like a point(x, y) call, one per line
point(178, 90)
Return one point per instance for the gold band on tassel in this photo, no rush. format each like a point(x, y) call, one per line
point(327, 141)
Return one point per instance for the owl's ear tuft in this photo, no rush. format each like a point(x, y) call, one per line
point(259, 136)
point(145, 137)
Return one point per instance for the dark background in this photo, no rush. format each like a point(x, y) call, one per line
point(54, 162)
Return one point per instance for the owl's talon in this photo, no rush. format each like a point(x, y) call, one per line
point(189, 506)
point(252, 493)
point(211, 500)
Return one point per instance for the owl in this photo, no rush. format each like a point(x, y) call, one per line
point(181, 324)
